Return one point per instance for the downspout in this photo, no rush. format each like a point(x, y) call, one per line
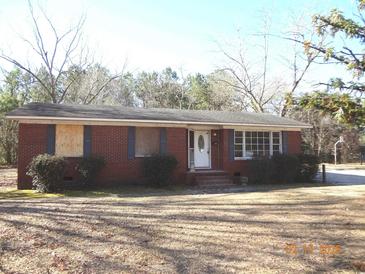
point(218, 149)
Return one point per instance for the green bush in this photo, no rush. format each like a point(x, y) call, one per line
point(284, 168)
point(159, 168)
point(47, 172)
point(308, 167)
point(89, 167)
point(260, 171)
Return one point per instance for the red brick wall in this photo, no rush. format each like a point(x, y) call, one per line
point(32, 141)
point(177, 145)
point(215, 149)
point(294, 142)
point(111, 142)
point(231, 166)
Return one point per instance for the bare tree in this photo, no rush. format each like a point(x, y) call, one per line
point(255, 87)
point(65, 52)
point(300, 62)
point(55, 58)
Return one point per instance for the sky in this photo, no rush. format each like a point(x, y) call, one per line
point(154, 34)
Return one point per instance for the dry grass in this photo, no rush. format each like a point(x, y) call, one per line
point(345, 166)
point(8, 177)
point(186, 233)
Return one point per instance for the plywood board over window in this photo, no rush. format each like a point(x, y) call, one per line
point(69, 140)
point(147, 141)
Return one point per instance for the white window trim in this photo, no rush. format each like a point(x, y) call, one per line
point(244, 157)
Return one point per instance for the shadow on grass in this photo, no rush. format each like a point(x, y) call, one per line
point(120, 191)
point(145, 191)
point(181, 235)
point(127, 191)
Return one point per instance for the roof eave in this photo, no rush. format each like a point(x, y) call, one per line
point(20, 118)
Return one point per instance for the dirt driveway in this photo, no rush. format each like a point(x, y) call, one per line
point(287, 230)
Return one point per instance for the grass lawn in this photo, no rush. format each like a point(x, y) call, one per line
point(285, 230)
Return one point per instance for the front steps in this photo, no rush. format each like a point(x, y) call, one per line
point(210, 179)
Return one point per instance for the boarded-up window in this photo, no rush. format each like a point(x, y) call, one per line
point(147, 141)
point(69, 140)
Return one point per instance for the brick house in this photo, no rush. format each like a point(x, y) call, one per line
point(204, 142)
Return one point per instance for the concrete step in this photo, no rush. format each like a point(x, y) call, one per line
point(215, 181)
point(216, 185)
point(212, 177)
point(199, 173)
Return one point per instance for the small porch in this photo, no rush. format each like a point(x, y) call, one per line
point(209, 178)
point(204, 149)
point(205, 167)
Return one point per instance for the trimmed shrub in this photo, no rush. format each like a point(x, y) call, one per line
point(47, 172)
point(89, 167)
point(260, 171)
point(159, 168)
point(284, 168)
point(308, 167)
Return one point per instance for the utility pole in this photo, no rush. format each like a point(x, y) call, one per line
point(339, 141)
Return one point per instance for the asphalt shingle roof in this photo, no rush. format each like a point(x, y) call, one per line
point(127, 113)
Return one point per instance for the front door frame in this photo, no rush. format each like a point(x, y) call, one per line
point(209, 147)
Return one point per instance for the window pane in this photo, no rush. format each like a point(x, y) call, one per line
point(147, 141)
point(258, 143)
point(238, 147)
point(238, 133)
point(238, 153)
point(238, 140)
point(69, 140)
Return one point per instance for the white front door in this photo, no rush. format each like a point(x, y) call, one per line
point(202, 149)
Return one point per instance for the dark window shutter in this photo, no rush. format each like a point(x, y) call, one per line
point(163, 141)
point(131, 142)
point(51, 139)
point(231, 144)
point(87, 141)
point(284, 142)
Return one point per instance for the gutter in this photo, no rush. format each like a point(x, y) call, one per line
point(150, 121)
